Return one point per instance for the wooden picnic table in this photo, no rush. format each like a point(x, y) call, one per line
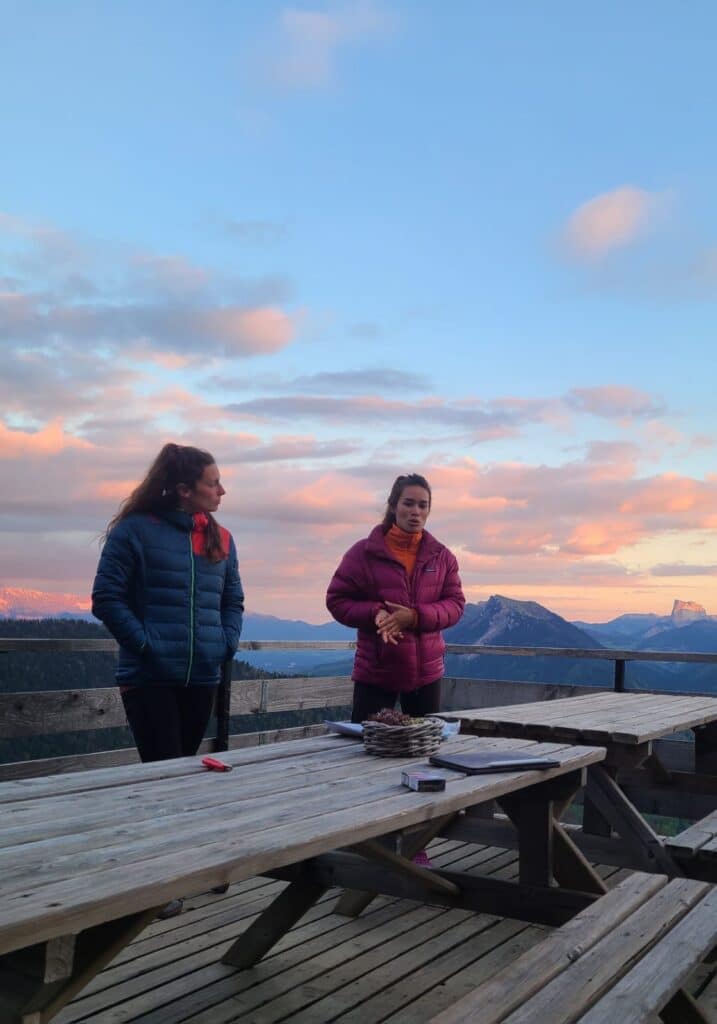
point(86, 860)
point(626, 724)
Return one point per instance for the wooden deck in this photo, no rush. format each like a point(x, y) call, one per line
point(398, 962)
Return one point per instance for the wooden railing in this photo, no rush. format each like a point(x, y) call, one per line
point(48, 712)
point(620, 658)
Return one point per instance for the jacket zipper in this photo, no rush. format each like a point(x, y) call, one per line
point(191, 612)
point(413, 590)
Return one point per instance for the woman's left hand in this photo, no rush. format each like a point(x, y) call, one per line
point(400, 617)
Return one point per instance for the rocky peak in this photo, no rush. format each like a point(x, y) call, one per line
point(687, 611)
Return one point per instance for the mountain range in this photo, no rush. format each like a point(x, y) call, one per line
point(20, 603)
point(498, 621)
point(687, 624)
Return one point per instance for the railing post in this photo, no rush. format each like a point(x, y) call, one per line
point(706, 748)
point(224, 694)
point(619, 686)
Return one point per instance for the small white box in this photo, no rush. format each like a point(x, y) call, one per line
point(423, 782)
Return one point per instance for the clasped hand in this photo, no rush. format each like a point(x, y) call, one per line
point(391, 624)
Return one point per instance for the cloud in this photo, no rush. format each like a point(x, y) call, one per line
point(682, 569)
point(481, 420)
point(303, 52)
point(609, 221)
point(244, 331)
point(209, 329)
point(173, 275)
point(283, 449)
point(614, 402)
point(52, 439)
point(621, 453)
point(256, 232)
point(606, 536)
point(679, 264)
point(42, 245)
point(349, 382)
point(107, 295)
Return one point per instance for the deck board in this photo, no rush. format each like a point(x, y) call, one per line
point(398, 962)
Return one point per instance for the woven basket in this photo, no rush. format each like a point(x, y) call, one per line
point(416, 740)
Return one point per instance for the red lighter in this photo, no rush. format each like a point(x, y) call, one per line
point(215, 765)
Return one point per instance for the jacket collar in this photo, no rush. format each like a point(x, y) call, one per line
point(177, 517)
point(376, 545)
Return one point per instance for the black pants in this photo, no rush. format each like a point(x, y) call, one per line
point(370, 699)
point(168, 721)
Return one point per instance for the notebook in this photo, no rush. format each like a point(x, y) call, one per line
point(354, 729)
point(478, 762)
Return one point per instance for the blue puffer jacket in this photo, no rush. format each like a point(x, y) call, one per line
point(176, 615)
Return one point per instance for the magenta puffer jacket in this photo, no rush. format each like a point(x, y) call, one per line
point(369, 575)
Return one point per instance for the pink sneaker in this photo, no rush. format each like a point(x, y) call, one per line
point(422, 859)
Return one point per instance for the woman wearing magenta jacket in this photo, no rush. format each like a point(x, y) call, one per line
point(399, 587)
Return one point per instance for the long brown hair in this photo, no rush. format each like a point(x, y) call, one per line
point(399, 485)
point(176, 464)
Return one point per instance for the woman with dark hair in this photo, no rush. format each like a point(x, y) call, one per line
point(168, 590)
point(399, 587)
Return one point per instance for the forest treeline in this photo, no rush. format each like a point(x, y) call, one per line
point(32, 671)
point(25, 671)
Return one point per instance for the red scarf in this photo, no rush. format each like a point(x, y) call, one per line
point(200, 522)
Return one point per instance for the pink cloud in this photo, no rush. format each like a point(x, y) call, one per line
point(303, 53)
point(614, 402)
point(674, 499)
point(50, 440)
point(247, 331)
point(601, 538)
point(609, 221)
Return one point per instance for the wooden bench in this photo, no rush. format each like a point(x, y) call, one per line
point(695, 849)
point(619, 961)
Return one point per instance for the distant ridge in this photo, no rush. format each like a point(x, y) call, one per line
point(21, 603)
point(699, 636)
point(673, 632)
point(270, 627)
point(505, 622)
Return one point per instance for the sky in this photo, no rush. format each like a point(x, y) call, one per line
point(336, 242)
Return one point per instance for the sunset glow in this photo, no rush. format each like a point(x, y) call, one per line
point(335, 242)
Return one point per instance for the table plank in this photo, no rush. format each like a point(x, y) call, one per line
point(698, 840)
point(58, 816)
point(104, 778)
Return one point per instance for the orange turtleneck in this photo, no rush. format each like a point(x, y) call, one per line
point(403, 546)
